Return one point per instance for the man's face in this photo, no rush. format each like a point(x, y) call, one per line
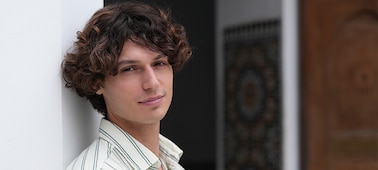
point(141, 92)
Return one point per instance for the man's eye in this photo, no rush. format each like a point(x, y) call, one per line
point(160, 63)
point(127, 69)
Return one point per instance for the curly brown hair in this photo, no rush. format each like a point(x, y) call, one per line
point(96, 51)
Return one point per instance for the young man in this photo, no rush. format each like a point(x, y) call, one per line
point(123, 62)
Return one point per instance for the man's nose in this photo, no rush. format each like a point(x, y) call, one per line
point(150, 80)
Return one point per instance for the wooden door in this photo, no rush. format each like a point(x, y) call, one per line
point(339, 82)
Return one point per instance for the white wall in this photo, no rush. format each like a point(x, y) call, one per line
point(290, 76)
point(231, 12)
point(34, 35)
point(80, 121)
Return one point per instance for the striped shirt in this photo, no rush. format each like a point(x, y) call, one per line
point(115, 149)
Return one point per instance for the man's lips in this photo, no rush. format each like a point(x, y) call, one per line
point(152, 100)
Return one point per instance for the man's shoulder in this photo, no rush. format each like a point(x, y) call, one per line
point(92, 157)
point(100, 155)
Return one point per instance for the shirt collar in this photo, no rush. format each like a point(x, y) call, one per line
point(170, 153)
point(135, 152)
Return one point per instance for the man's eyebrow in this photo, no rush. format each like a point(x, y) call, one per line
point(160, 56)
point(123, 62)
point(126, 61)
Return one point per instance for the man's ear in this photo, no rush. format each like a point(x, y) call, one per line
point(100, 91)
point(98, 86)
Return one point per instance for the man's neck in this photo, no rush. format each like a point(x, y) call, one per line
point(148, 135)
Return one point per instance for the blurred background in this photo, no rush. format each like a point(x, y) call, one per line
point(272, 84)
point(229, 109)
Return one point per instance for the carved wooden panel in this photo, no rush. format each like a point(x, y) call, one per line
point(252, 119)
point(339, 81)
